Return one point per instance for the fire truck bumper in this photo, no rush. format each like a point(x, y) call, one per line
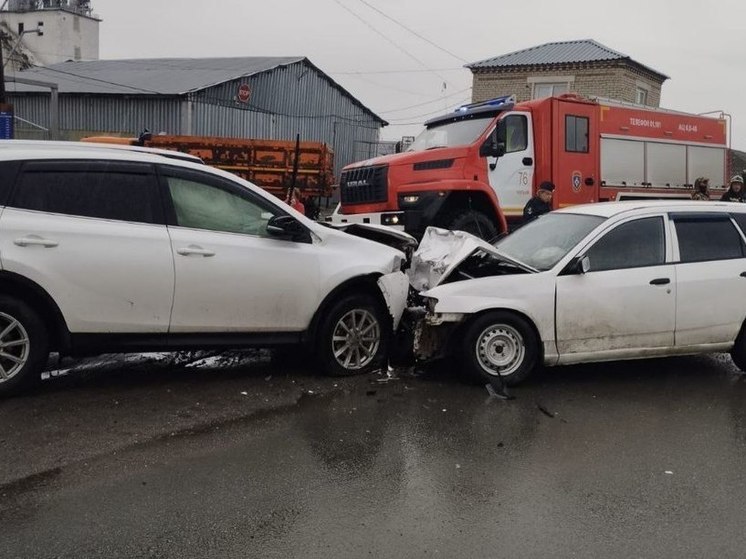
point(397, 219)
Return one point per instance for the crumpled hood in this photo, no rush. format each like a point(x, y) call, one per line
point(441, 251)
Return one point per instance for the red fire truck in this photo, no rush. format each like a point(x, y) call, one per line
point(475, 169)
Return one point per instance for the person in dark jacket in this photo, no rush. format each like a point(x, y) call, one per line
point(539, 204)
point(735, 192)
point(701, 189)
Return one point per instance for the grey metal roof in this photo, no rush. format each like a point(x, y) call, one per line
point(564, 52)
point(163, 76)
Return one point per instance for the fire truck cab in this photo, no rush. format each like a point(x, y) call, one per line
point(476, 168)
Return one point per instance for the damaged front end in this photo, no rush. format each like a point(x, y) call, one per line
point(445, 257)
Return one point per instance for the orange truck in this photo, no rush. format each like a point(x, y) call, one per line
point(476, 168)
point(266, 163)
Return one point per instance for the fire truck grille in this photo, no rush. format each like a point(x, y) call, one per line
point(364, 185)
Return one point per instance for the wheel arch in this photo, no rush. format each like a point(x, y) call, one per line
point(41, 302)
point(476, 200)
point(365, 283)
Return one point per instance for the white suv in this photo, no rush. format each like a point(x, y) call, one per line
point(110, 250)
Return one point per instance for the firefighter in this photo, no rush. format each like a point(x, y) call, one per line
point(701, 189)
point(735, 192)
point(539, 204)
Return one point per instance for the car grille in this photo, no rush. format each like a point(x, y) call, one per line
point(364, 185)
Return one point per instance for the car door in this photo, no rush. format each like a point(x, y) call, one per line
point(711, 278)
point(626, 299)
point(92, 234)
point(231, 274)
point(512, 174)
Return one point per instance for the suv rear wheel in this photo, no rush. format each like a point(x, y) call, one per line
point(24, 346)
point(354, 336)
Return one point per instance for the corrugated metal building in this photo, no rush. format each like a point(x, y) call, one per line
point(256, 97)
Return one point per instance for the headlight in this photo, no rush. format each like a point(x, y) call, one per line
point(391, 219)
point(410, 199)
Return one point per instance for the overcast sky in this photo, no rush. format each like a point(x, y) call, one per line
point(700, 45)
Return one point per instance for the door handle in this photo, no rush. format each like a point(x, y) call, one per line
point(660, 281)
point(194, 250)
point(35, 240)
point(743, 274)
point(528, 161)
point(589, 181)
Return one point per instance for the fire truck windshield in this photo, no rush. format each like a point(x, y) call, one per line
point(451, 134)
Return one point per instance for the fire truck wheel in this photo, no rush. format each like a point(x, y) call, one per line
point(474, 222)
point(354, 336)
point(499, 341)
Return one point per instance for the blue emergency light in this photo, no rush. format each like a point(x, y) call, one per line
point(495, 103)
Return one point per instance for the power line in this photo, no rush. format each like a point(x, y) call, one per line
point(413, 32)
point(434, 100)
point(419, 71)
point(88, 78)
point(399, 123)
point(391, 41)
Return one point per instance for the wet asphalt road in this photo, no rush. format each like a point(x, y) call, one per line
point(262, 459)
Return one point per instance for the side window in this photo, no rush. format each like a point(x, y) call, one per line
point(120, 191)
point(576, 134)
point(705, 239)
point(630, 245)
point(516, 133)
point(201, 205)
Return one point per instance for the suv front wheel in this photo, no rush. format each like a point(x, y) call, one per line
point(24, 346)
point(354, 336)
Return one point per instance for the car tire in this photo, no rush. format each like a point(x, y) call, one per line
point(499, 340)
point(474, 222)
point(354, 336)
point(24, 346)
point(738, 353)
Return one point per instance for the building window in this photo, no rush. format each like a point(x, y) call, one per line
point(641, 96)
point(77, 53)
point(21, 27)
point(576, 134)
point(549, 89)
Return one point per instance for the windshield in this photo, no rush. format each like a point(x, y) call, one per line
point(546, 240)
point(452, 134)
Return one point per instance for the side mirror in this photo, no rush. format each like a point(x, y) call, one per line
point(584, 265)
point(287, 227)
point(492, 148)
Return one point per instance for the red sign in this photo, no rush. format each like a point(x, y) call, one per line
point(244, 93)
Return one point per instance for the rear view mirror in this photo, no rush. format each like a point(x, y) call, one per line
point(492, 148)
point(584, 266)
point(287, 227)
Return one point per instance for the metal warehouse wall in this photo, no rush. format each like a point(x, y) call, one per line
point(284, 102)
point(85, 114)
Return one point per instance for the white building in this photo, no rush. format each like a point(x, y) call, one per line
point(46, 32)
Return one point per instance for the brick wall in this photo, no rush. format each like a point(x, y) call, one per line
point(618, 81)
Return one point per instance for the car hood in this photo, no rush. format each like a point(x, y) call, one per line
point(379, 233)
point(442, 252)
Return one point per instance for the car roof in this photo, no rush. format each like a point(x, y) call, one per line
point(611, 209)
point(55, 146)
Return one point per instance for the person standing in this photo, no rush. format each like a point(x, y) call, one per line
point(539, 204)
point(701, 189)
point(735, 192)
point(294, 201)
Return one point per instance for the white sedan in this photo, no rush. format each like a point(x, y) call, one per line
point(599, 282)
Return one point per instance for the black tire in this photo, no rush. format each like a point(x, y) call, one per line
point(18, 321)
point(484, 345)
point(368, 310)
point(474, 222)
point(738, 353)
